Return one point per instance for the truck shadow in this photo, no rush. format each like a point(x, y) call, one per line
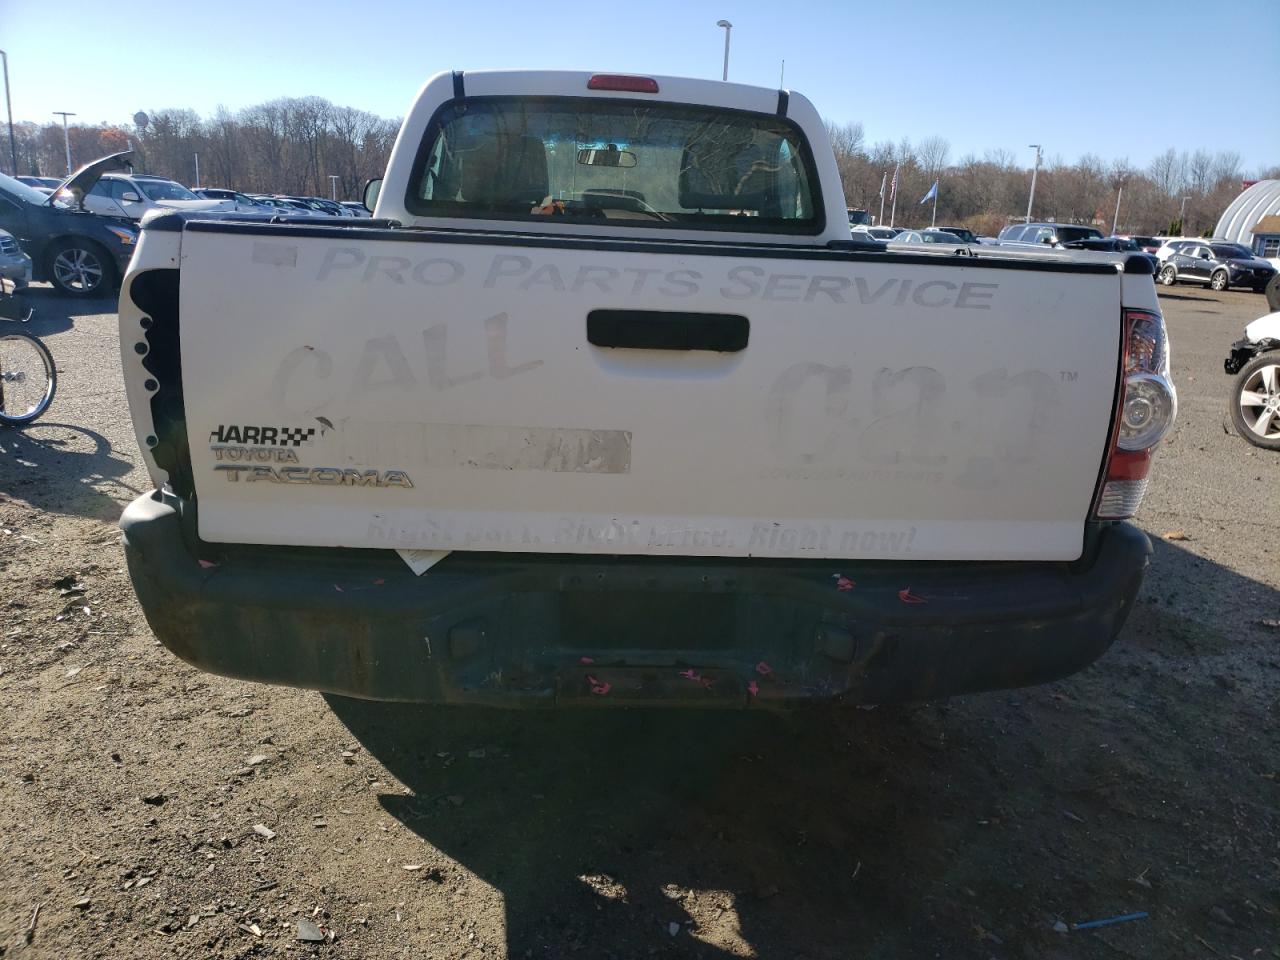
point(832, 833)
point(598, 827)
point(1192, 607)
point(65, 468)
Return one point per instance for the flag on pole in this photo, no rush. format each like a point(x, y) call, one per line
point(933, 192)
point(893, 185)
point(883, 181)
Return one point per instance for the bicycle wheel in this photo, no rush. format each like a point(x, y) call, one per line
point(27, 378)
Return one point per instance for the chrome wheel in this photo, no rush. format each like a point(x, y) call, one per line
point(1259, 400)
point(1218, 281)
point(77, 270)
point(1168, 275)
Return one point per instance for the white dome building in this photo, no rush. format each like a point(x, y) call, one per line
point(1238, 220)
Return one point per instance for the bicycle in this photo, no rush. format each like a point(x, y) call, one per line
point(28, 377)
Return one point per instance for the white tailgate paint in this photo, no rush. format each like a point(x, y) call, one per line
point(888, 429)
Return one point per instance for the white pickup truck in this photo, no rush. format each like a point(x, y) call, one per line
point(608, 348)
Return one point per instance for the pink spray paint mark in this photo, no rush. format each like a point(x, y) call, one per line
point(586, 661)
point(207, 564)
point(763, 669)
point(753, 688)
point(379, 582)
point(844, 583)
point(599, 687)
point(906, 596)
point(338, 588)
point(690, 674)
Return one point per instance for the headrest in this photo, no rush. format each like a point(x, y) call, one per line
point(505, 169)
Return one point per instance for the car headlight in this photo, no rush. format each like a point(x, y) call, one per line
point(125, 236)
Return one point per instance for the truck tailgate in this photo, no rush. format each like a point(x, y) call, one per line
point(389, 388)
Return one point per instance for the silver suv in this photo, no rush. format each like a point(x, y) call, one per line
point(1053, 234)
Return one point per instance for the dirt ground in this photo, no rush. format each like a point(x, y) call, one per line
point(148, 810)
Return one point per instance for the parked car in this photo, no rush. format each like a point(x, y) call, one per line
point(15, 265)
point(1171, 245)
point(49, 183)
point(1218, 266)
point(876, 233)
point(355, 208)
point(276, 206)
point(1254, 402)
point(80, 252)
point(968, 236)
point(1145, 244)
point(1114, 245)
point(926, 236)
point(678, 462)
point(299, 206)
point(1050, 234)
point(134, 194)
point(241, 202)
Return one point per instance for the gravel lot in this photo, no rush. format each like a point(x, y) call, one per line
point(131, 785)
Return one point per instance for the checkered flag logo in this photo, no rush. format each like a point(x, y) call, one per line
point(296, 436)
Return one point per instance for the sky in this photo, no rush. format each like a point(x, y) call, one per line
point(1079, 77)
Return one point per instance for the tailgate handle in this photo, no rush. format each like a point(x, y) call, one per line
point(668, 330)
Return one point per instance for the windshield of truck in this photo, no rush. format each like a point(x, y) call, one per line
point(165, 190)
point(625, 162)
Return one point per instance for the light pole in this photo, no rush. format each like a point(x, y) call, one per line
point(1182, 216)
point(333, 187)
point(1034, 172)
point(1116, 219)
point(66, 139)
point(13, 146)
point(727, 28)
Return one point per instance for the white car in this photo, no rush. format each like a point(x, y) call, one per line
point(240, 203)
point(1255, 393)
point(132, 195)
point(875, 233)
point(1171, 245)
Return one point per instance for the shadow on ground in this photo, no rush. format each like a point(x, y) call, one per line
point(943, 829)
point(86, 470)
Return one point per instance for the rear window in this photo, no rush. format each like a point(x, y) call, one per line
point(616, 163)
point(1066, 234)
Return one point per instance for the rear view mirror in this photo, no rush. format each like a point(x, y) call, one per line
point(130, 197)
point(371, 190)
point(607, 156)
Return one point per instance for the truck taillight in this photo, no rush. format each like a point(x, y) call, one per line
point(618, 81)
point(1146, 411)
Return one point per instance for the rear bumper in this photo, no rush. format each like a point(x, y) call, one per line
point(520, 630)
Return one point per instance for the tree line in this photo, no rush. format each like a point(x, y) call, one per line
point(984, 194)
point(293, 145)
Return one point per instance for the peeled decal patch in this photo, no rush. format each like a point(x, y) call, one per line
point(275, 254)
